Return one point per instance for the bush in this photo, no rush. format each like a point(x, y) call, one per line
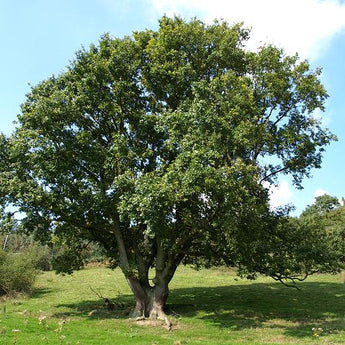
point(42, 255)
point(17, 272)
point(55, 256)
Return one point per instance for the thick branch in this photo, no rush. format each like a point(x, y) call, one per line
point(293, 279)
point(123, 258)
point(143, 267)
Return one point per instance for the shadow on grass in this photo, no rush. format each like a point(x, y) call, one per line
point(40, 292)
point(97, 309)
point(272, 305)
point(239, 307)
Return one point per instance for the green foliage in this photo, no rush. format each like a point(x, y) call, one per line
point(326, 216)
point(17, 272)
point(156, 147)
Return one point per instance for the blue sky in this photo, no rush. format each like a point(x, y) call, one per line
point(40, 37)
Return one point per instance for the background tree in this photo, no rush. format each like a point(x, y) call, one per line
point(156, 147)
point(322, 204)
point(326, 219)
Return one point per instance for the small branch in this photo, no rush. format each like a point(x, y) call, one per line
point(92, 175)
point(278, 120)
point(5, 242)
point(108, 304)
point(285, 114)
point(305, 276)
point(267, 117)
point(273, 173)
point(97, 293)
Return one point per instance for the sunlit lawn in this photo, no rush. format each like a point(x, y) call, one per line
point(206, 307)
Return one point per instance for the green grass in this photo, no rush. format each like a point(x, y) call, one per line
point(206, 307)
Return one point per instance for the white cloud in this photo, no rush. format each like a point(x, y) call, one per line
point(303, 26)
point(320, 192)
point(279, 195)
point(325, 118)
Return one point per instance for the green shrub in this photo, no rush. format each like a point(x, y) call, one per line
point(42, 255)
point(17, 272)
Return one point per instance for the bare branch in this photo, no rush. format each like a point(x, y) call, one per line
point(97, 293)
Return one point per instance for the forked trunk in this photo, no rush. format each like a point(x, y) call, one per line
point(150, 301)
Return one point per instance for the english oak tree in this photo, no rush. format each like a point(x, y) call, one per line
point(158, 146)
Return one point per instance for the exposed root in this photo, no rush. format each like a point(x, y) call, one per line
point(159, 314)
point(140, 318)
point(155, 319)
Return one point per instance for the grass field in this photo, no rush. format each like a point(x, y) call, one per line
point(206, 307)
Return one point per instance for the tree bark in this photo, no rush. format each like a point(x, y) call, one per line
point(159, 298)
point(150, 301)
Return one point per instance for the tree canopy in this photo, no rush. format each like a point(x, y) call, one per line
point(157, 146)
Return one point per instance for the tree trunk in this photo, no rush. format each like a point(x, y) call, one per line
point(159, 298)
point(150, 301)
